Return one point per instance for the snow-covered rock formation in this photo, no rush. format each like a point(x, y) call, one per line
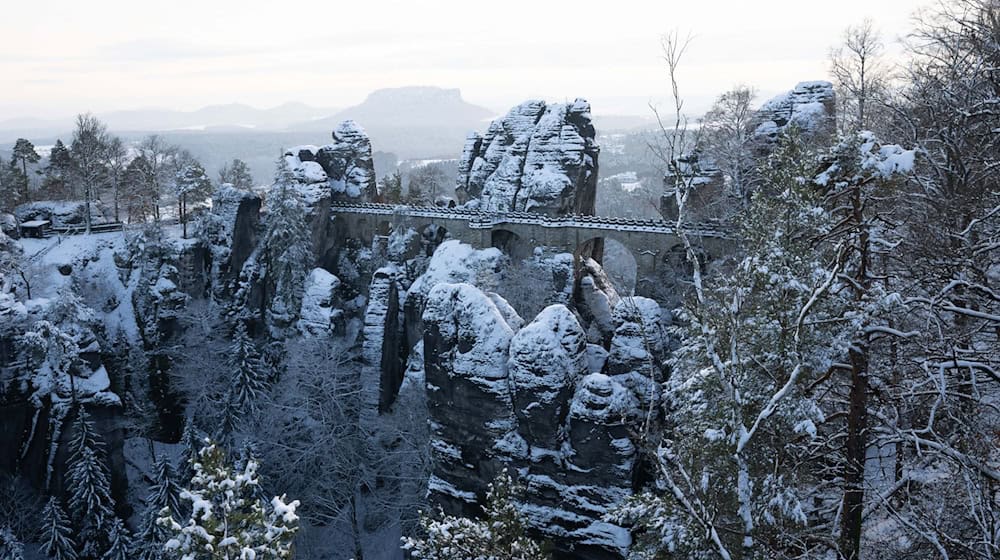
point(343, 170)
point(319, 314)
point(811, 106)
point(537, 158)
point(466, 340)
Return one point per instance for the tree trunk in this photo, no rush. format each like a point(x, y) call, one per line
point(86, 203)
point(854, 466)
point(856, 447)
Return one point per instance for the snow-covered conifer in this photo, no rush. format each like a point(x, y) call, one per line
point(249, 378)
point(228, 516)
point(119, 542)
point(57, 534)
point(287, 248)
point(499, 535)
point(11, 548)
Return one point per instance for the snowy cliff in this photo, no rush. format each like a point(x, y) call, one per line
point(537, 158)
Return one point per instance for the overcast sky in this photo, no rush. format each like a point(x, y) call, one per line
point(62, 57)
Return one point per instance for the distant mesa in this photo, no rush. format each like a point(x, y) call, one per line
point(414, 106)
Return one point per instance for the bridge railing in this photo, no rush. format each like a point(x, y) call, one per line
point(481, 219)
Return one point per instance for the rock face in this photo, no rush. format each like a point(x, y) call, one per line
point(238, 215)
point(529, 396)
point(319, 316)
point(344, 170)
point(547, 358)
point(811, 106)
point(538, 158)
point(466, 339)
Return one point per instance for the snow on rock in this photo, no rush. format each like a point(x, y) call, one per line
point(452, 262)
point(547, 357)
point(382, 337)
point(343, 169)
point(811, 106)
point(466, 339)
point(62, 213)
point(597, 298)
point(537, 158)
point(318, 315)
point(636, 356)
point(232, 232)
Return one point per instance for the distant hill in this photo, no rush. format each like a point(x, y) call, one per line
point(234, 116)
point(407, 107)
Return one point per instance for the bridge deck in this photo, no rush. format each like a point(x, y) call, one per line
point(479, 219)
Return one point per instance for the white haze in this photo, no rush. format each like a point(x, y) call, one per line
point(63, 57)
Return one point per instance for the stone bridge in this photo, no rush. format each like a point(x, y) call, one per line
point(654, 244)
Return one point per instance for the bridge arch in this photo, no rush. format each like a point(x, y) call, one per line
point(432, 235)
point(618, 261)
point(510, 244)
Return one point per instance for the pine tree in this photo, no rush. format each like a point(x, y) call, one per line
point(190, 184)
point(90, 487)
point(189, 453)
point(56, 183)
point(164, 495)
point(90, 500)
point(391, 188)
point(228, 515)
point(24, 151)
point(287, 249)
point(85, 436)
point(236, 174)
point(165, 492)
point(10, 547)
point(57, 535)
point(119, 543)
point(249, 377)
point(499, 535)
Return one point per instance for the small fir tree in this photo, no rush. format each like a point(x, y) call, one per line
point(227, 518)
point(57, 534)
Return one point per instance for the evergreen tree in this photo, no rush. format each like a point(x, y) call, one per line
point(228, 515)
point(10, 547)
point(58, 171)
point(189, 453)
point(190, 184)
point(16, 181)
point(119, 543)
point(165, 492)
point(10, 193)
point(499, 535)
point(164, 495)
point(57, 535)
point(249, 376)
point(90, 500)
point(391, 188)
point(236, 174)
point(24, 151)
point(85, 436)
point(89, 484)
point(287, 249)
